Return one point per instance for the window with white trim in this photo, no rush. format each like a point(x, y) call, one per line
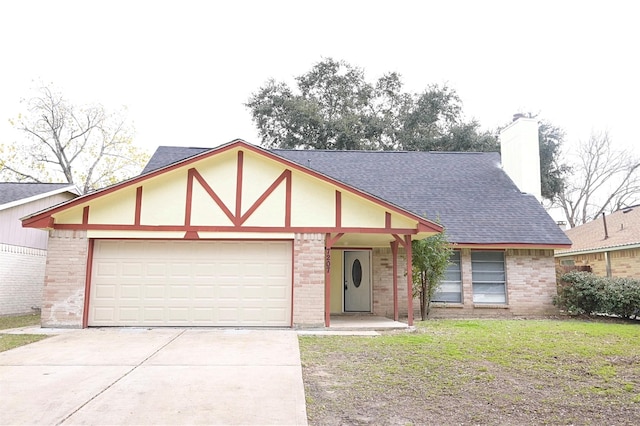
point(450, 289)
point(488, 276)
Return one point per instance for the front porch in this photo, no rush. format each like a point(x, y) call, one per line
point(358, 324)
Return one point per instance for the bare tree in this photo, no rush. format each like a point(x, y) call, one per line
point(85, 146)
point(602, 180)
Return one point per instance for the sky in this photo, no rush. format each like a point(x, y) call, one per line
point(184, 69)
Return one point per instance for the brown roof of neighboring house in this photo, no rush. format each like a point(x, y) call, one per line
point(623, 229)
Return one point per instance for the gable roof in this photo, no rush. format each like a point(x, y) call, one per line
point(16, 193)
point(166, 155)
point(623, 229)
point(468, 192)
point(45, 218)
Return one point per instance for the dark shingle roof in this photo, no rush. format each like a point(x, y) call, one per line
point(469, 193)
point(166, 155)
point(14, 191)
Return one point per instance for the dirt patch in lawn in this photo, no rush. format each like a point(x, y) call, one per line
point(476, 372)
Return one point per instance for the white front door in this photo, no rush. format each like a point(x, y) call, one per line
point(357, 281)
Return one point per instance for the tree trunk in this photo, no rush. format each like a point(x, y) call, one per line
point(423, 298)
point(427, 302)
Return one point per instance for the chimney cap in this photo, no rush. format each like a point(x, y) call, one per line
point(518, 115)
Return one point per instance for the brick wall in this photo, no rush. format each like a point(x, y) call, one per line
point(21, 279)
point(624, 263)
point(531, 285)
point(382, 282)
point(531, 282)
point(65, 275)
point(308, 280)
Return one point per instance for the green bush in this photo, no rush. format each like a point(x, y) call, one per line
point(586, 293)
point(579, 293)
point(621, 297)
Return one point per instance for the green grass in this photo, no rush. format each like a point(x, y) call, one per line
point(10, 341)
point(534, 365)
point(17, 321)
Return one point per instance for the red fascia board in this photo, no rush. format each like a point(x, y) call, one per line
point(425, 224)
point(232, 228)
point(27, 222)
point(428, 226)
point(40, 221)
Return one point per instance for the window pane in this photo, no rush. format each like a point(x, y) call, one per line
point(488, 298)
point(488, 276)
point(450, 289)
point(487, 256)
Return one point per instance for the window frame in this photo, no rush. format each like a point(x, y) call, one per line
point(459, 282)
point(488, 282)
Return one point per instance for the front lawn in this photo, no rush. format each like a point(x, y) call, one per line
point(10, 341)
point(477, 372)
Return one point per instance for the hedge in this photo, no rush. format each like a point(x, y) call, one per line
point(586, 293)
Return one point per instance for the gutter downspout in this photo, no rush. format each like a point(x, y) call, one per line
point(607, 258)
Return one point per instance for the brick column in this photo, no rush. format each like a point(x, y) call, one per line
point(65, 276)
point(308, 280)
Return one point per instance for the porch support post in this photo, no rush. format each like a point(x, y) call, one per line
point(328, 243)
point(409, 253)
point(394, 252)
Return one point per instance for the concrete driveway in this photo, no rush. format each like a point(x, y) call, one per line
point(155, 376)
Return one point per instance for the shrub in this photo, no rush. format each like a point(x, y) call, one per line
point(621, 297)
point(579, 293)
point(586, 293)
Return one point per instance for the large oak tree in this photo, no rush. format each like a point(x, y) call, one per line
point(334, 106)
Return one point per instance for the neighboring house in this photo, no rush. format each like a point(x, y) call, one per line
point(22, 250)
point(242, 236)
point(609, 245)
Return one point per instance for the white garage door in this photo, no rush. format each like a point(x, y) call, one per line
point(190, 283)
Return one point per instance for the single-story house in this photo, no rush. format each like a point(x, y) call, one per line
point(238, 235)
point(608, 245)
point(23, 251)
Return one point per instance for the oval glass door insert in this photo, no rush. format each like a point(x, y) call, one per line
point(356, 273)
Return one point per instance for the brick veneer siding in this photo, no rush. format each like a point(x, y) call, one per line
point(531, 282)
point(531, 285)
point(65, 275)
point(382, 281)
point(308, 280)
point(624, 263)
point(21, 279)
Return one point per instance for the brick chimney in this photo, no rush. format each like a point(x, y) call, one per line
point(520, 153)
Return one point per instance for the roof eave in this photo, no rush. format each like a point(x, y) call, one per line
point(597, 249)
point(71, 188)
point(43, 217)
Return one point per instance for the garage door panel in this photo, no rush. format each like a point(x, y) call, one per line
point(204, 291)
point(128, 314)
point(105, 314)
point(155, 283)
point(152, 292)
point(106, 292)
point(128, 291)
